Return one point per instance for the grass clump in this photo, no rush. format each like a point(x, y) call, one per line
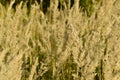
point(60, 45)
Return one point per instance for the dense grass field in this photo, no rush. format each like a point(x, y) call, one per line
point(69, 44)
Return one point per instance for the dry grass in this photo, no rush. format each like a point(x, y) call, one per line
point(63, 45)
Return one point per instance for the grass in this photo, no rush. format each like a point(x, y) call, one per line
point(60, 45)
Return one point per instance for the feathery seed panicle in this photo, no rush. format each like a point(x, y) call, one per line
point(61, 44)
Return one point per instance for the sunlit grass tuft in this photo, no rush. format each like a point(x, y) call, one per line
point(60, 45)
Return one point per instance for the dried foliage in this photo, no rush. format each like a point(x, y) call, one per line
point(60, 45)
